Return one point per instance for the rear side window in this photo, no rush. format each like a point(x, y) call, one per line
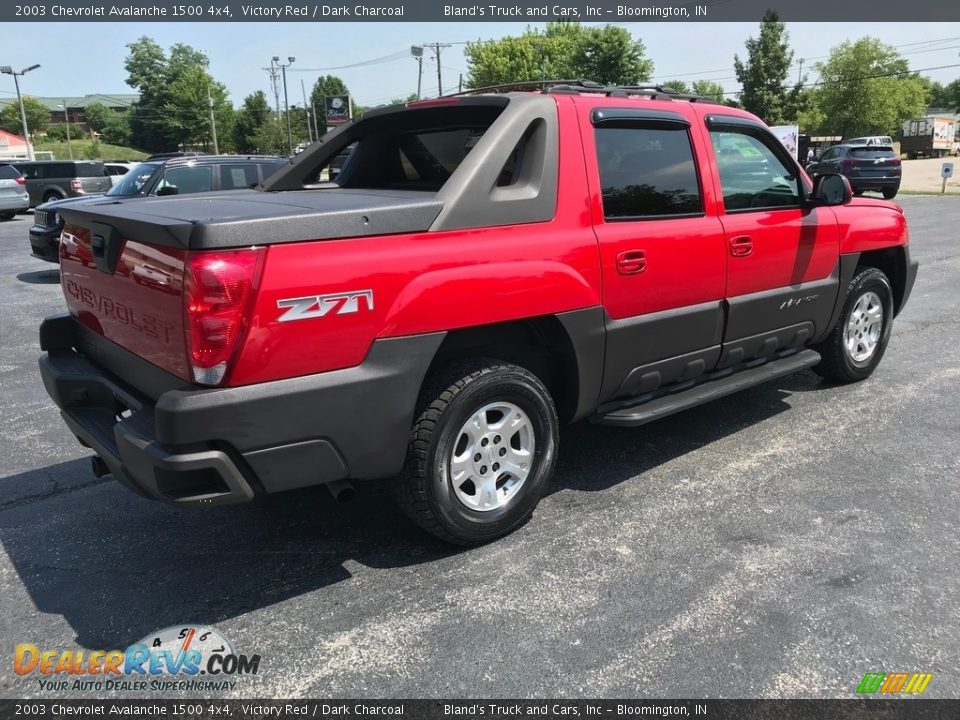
point(8, 172)
point(237, 177)
point(188, 179)
point(647, 172)
point(85, 170)
point(57, 170)
point(871, 153)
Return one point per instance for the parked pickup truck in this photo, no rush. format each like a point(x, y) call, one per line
point(484, 268)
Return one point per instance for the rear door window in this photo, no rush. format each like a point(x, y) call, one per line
point(647, 172)
point(57, 170)
point(237, 177)
point(86, 170)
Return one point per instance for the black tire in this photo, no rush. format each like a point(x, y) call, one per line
point(837, 363)
point(449, 398)
point(7, 216)
point(890, 193)
point(52, 196)
point(858, 193)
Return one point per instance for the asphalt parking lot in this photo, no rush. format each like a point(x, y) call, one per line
point(778, 543)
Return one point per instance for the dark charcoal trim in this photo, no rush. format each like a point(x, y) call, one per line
point(587, 332)
point(62, 333)
point(847, 267)
point(629, 117)
point(660, 343)
point(648, 409)
point(212, 446)
point(909, 278)
point(366, 411)
point(471, 197)
point(760, 319)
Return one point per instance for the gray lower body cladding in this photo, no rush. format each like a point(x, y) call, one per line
point(195, 446)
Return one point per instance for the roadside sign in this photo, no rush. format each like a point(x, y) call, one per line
point(947, 170)
point(337, 109)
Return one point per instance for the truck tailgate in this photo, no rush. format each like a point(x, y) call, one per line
point(125, 265)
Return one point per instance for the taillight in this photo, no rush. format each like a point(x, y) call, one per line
point(20, 181)
point(76, 185)
point(219, 291)
point(894, 161)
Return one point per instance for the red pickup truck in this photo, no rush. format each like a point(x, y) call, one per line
point(482, 268)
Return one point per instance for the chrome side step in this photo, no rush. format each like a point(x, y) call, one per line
point(640, 411)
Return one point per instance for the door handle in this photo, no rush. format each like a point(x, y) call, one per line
point(631, 262)
point(741, 246)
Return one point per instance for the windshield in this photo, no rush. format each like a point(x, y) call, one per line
point(135, 182)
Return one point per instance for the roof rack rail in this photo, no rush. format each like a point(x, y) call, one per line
point(527, 84)
point(574, 87)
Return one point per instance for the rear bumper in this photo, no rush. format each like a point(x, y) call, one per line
point(14, 204)
point(198, 446)
point(874, 183)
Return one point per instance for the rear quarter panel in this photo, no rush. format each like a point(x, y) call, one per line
point(425, 282)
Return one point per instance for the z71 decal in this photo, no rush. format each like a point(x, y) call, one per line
point(314, 306)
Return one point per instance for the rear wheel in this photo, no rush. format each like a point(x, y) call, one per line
point(51, 196)
point(482, 452)
point(7, 216)
point(854, 348)
point(890, 193)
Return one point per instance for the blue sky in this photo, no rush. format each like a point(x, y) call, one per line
point(79, 58)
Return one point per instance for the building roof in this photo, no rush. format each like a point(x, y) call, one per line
point(117, 101)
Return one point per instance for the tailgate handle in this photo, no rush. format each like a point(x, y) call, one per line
point(105, 244)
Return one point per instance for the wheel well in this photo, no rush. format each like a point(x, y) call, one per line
point(541, 345)
point(892, 262)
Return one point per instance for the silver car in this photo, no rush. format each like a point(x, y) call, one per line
point(13, 192)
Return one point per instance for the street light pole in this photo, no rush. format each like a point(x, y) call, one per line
point(286, 102)
point(7, 70)
point(213, 122)
point(417, 52)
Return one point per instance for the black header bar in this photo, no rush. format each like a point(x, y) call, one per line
point(599, 11)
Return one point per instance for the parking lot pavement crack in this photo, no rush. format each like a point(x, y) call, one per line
point(53, 492)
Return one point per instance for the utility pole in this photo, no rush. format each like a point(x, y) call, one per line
point(286, 101)
point(213, 121)
point(306, 108)
point(274, 82)
point(417, 52)
point(437, 47)
point(7, 70)
point(800, 72)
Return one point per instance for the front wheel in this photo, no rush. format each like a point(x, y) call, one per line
point(853, 349)
point(890, 193)
point(482, 452)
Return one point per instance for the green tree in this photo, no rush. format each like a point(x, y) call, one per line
point(174, 90)
point(763, 75)
point(679, 85)
point(866, 88)
point(709, 89)
point(271, 138)
point(38, 116)
point(563, 50)
point(250, 118)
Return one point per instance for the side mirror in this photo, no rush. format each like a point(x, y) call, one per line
point(168, 190)
point(831, 189)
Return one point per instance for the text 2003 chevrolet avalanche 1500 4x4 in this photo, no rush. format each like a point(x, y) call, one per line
point(483, 268)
